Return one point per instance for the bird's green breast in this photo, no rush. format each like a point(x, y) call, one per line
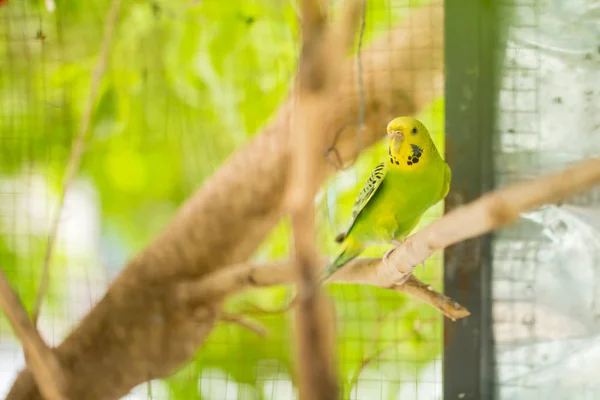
point(398, 204)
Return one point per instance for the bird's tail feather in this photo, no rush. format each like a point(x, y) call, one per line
point(350, 252)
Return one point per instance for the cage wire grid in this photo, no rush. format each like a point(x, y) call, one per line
point(28, 177)
point(546, 268)
point(389, 345)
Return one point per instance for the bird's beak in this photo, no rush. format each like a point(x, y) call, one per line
point(397, 138)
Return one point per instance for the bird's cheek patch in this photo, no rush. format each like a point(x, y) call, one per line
point(412, 160)
point(417, 153)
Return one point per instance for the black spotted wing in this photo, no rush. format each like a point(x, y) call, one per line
point(365, 194)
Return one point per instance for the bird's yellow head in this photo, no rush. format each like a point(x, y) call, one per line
point(410, 144)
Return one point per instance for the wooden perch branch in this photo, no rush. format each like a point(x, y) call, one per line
point(238, 278)
point(40, 359)
point(322, 56)
point(137, 331)
point(491, 211)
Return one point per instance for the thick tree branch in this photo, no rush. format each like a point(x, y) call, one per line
point(137, 331)
point(238, 278)
point(323, 51)
point(40, 359)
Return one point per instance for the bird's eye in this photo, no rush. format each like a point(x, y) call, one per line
point(414, 131)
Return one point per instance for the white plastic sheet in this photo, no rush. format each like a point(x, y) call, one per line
point(546, 277)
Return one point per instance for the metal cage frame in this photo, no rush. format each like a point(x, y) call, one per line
point(472, 34)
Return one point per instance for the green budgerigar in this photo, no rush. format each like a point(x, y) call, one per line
point(397, 193)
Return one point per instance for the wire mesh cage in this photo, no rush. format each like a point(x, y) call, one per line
point(545, 278)
point(145, 102)
point(187, 83)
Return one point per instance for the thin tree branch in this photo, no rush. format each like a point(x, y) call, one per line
point(245, 323)
point(424, 292)
point(489, 212)
point(77, 150)
point(40, 359)
point(323, 50)
point(242, 277)
point(367, 271)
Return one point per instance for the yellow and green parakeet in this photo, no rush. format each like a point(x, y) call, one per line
point(397, 193)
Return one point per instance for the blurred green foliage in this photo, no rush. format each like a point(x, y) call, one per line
point(188, 82)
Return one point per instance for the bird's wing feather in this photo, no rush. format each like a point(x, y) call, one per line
point(369, 188)
point(365, 194)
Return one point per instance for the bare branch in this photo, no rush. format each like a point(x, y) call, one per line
point(77, 150)
point(323, 51)
point(242, 277)
point(489, 212)
point(367, 271)
point(40, 359)
point(245, 323)
point(419, 290)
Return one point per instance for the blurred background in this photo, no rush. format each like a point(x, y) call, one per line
point(188, 82)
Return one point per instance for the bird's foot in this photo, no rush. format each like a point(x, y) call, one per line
point(386, 255)
point(396, 243)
